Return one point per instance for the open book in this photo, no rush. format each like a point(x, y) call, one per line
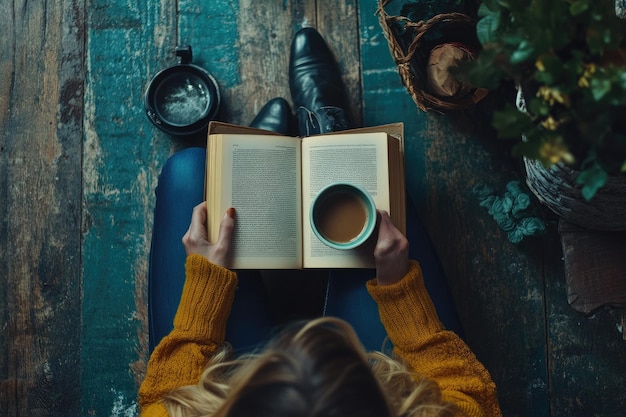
point(271, 180)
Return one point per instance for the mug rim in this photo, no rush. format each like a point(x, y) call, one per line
point(365, 234)
point(182, 129)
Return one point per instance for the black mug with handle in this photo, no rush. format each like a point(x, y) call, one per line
point(182, 99)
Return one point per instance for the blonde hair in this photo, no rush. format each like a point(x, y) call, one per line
point(316, 369)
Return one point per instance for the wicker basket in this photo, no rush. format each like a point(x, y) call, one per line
point(556, 188)
point(412, 59)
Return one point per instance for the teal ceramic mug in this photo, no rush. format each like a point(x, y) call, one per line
point(343, 216)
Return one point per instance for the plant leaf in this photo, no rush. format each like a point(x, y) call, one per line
point(578, 7)
point(523, 52)
point(539, 107)
point(487, 27)
point(487, 6)
point(510, 122)
point(600, 88)
point(592, 179)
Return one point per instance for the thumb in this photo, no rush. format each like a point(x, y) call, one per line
point(227, 225)
point(385, 221)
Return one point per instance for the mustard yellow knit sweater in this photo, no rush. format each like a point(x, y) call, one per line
point(406, 311)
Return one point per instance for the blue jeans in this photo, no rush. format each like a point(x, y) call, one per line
point(181, 188)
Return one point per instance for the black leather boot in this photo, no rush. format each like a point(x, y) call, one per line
point(276, 116)
point(317, 90)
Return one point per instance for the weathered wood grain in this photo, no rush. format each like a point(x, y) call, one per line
point(246, 44)
point(508, 295)
point(498, 286)
point(586, 353)
point(338, 22)
point(79, 163)
point(41, 91)
point(126, 45)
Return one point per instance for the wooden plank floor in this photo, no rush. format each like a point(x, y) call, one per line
point(79, 162)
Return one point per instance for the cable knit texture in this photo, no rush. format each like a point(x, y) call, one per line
point(405, 308)
point(411, 321)
point(199, 329)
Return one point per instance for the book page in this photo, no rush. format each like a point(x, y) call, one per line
point(260, 178)
point(360, 159)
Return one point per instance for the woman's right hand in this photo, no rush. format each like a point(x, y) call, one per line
point(391, 252)
point(196, 240)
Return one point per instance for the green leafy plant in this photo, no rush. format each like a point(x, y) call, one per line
point(567, 57)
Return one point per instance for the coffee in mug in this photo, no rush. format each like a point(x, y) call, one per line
point(343, 216)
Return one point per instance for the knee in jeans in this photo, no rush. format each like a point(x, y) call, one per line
point(183, 169)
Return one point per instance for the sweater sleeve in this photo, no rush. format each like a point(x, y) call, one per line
point(199, 330)
point(411, 321)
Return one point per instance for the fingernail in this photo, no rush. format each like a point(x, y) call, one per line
point(230, 213)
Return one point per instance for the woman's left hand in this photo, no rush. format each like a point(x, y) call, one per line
point(196, 240)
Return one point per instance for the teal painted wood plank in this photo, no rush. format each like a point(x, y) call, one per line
point(446, 155)
point(385, 99)
point(211, 27)
point(126, 45)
